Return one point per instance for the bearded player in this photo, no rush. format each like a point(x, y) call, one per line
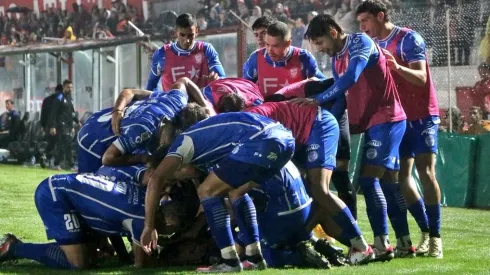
point(187, 57)
point(407, 59)
point(359, 67)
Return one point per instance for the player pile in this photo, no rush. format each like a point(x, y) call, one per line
point(244, 188)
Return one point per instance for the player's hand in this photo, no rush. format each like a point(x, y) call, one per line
point(149, 239)
point(213, 76)
point(52, 131)
point(390, 60)
point(116, 120)
point(304, 101)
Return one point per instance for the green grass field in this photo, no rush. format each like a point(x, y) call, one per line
point(466, 236)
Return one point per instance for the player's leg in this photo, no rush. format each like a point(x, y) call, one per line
point(382, 143)
point(340, 176)
point(425, 162)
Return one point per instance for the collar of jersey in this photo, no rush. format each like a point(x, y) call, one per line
point(181, 52)
point(346, 45)
point(392, 34)
point(281, 63)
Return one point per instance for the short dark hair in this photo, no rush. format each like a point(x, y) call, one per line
point(67, 81)
point(231, 103)
point(373, 7)
point(263, 22)
point(185, 20)
point(279, 29)
point(320, 25)
point(190, 115)
point(59, 88)
point(9, 101)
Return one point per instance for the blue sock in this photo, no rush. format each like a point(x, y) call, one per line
point(434, 217)
point(345, 220)
point(375, 205)
point(418, 212)
point(218, 220)
point(48, 254)
point(246, 219)
point(397, 208)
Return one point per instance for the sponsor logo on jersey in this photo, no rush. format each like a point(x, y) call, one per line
point(375, 143)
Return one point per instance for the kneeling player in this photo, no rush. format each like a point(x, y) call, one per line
point(71, 204)
point(239, 147)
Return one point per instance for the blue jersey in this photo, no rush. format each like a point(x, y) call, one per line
point(138, 127)
point(284, 193)
point(309, 66)
point(109, 207)
point(133, 174)
point(238, 134)
point(172, 64)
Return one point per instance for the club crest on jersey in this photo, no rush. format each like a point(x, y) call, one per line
point(221, 90)
point(198, 58)
point(272, 156)
point(371, 153)
point(293, 72)
point(430, 140)
point(312, 156)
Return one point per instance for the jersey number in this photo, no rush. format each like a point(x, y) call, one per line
point(71, 222)
point(96, 181)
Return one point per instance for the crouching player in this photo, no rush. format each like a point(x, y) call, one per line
point(70, 205)
point(238, 147)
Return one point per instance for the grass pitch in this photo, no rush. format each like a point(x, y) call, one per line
point(465, 232)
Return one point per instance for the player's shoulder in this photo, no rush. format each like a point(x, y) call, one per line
point(303, 52)
point(412, 38)
point(360, 38)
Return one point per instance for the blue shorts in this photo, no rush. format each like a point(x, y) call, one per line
point(61, 221)
point(420, 137)
point(381, 144)
point(320, 149)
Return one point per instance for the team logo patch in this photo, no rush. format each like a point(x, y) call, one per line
point(293, 72)
point(429, 131)
point(198, 58)
point(221, 90)
point(371, 153)
point(312, 156)
point(272, 156)
point(430, 140)
point(143, 137)
point(313, 147)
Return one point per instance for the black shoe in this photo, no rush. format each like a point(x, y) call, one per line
point(333, 254)
point(311, 257)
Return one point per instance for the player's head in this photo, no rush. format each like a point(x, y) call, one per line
point(484, 70)
point(9, 104)
point(259, 28)
point(67, 86)
point(231, 102)
point(186, 30)
point(277, 40)
point(190, 115)
point(325, 33)
point(172, 217)
point(372, 16)
point(476, 114)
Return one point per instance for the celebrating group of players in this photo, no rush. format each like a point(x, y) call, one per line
point(262, 149)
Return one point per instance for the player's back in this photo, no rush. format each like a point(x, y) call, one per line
point(294, 117)
point(106, 206)
point(248, 90)
point(285, 192)
point(211, 139)
point(132, 173)
point(373, 99)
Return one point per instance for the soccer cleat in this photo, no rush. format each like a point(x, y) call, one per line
point(333, 254)
point(7, 243)
point(405, 252)
point(385, 254)
point(423, 246)
point(435, 248)
point(311, 257)
point(255, 262)
point(357, 257)
point(223, 266)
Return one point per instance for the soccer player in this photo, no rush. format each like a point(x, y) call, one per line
point(71, 204)
point(221, 87)
point(187, 57)
point(316, 132)
point(340, 177)
point(406, 56)
point(279, 64)
point(259, 28)
point(359, 67)
point(238, 148)
point(101, 143)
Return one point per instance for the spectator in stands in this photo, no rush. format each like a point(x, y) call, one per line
point(280, 14)
point(476, 124)
point(10, 127)
point(60, 123)
point(485, 44)
point(298, 32)
point(256, 14)
point(458, 124)
point(481, 91)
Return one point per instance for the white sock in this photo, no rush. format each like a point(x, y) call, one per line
point(381, 242)
point(404, 242)
point(314, 238)
point(253, 249)
point(359, 243)
point(229, 253)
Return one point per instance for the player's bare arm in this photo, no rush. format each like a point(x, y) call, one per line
point(416, 73)
point(124, 98)
point(187, 85)
point(114, 157)
point(158, 183)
